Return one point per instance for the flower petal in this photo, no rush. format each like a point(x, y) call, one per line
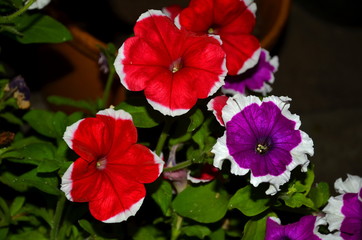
point(89, 138)
point(263, 137)
point(216, 105)
point(242, 52)
point(172, 66)
point(117, 202)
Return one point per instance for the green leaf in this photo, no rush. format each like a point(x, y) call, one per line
point(50, 165)
point(254, 229)
point(297, 200)
point(47, 123)
point(28, 235)
point(5, 217)
point(319, 194)
point(196, 231)
point(3, 232)
point(200, 137)
point(82, 104)
point(34, 153)
point(11, 118)
point(250, 201)
point(303, 182)
point(141, 115)
point(45, 182)
point(149, 233)
point(163, 196)
point(196, 120)
point(46, 215)
point(38, 28)
point(87, 226)
point(205, 203)
point(16, 205)
point(218, 235)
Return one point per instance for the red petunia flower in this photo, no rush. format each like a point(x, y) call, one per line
point(233, 21)
point(111, 169)
point(174, 67)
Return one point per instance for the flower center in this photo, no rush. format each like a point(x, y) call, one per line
point(176, 65)
point(263, 145)
point(261, 149)
point(101, 163)
point(213, 30)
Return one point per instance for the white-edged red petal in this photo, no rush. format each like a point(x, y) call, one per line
point(112, 179)
point(216, 105)
point(174, 67)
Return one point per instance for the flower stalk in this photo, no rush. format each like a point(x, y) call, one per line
point(176, 226)
point(163, 137)
point(107, 88)
point(9, 18)
point(57, 217)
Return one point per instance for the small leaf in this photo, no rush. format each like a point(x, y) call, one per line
point(141, 115)
point(218, 235)
point(297, 200)
point(303, 183)
point(4, 213)
point(254, 229)
point(34, 153)
point(163, 196)
point(205, 203)
point(63, 101)
point(11, 118)
point(196, 120)
point(201, 136)
point(16, 205)
point(45, 183)
point(49, 165)
point(196, 231)
point(320, 194)
point(42, 122)
point(38, 28)
point(34, 234)
point(148, 233)
point(87, 226)
point(249, 201)
point(4, 232)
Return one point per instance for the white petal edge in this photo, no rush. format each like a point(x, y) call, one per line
point(158, 160)
point(123, 216)
point(67, 183)
point(38, 4)
point(334, 216)
point(352, 184)
point(116, 114)
point(251, 62)
point(118, 65)
point(69, 133)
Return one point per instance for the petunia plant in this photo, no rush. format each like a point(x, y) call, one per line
point(200, 148)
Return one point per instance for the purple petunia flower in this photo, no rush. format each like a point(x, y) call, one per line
point(262, 137)
point(344, 212)
point(257, 79)
point(18, 89)
point(304, 229)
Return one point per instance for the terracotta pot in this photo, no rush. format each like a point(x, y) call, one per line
point(73, 70)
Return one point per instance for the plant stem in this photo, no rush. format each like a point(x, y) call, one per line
point(107, 88)
point(176, 226)
point(178, 166)
point(57, 217)
point(9, 18)
point(163, 136)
